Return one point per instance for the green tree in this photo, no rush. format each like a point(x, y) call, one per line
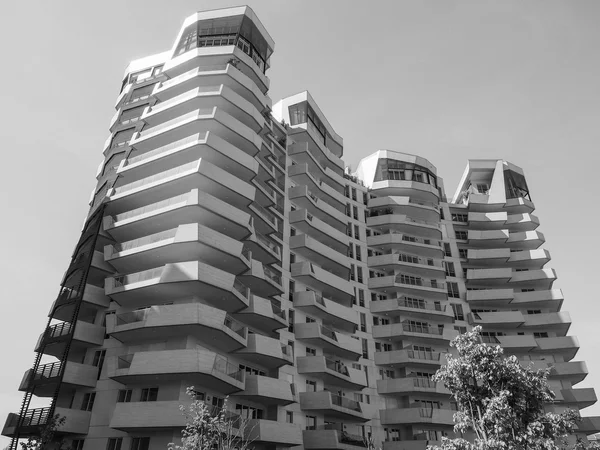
point(500, 402)
point(209, 428)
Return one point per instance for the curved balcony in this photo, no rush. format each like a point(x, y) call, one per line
point(487, 238)
point(262, 280)
point(263, 248)
point(268, 391)
point(267, 352)
point(540, 279)
point(194, 206)
point(76, 422)
point(274, 432)
point(420, 210)
point(206, 145)
point(407, 306)
point(210, 76)
point(304, 198)
point(487, 220)
point(489, 276)
point(411, 286)
point(416, 415)
point(522, 222)
point(525, 240)
point(332, 406)
point(147, 416)
point(330, 312)
point(331, 438)
point(498, 319)
point(519, 205)
point(551, 299)
point(393, 241)
point(531, 259)
point(165, 322)
point(84, 335)
point(179, 280)
point(305, 222)
point(330, 341)
point(197, 174)
point(567, 346)
point(301, 175)
point(324, 256)
point(323, 281)
point(263, 314)
point(581, 398)
point(92, 299)
point(588, 425)
point(301, 153)
point(490, 297)
point(46, 378)
point(412, 358)
point(410, 386)
point(332, 372)
point(558, 322)
point(206, 97)
point(263, 219)
point(187, 242)
point(306, 135)
point(401, 223)
point(404, 188)
point(410, 264)
point(200, 366)
point(415, 333)
point(210, 119)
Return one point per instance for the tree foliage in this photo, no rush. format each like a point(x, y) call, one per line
point(209, 428)
point(46, 440)
point(499, 401)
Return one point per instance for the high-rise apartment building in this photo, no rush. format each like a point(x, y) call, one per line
point(228, 249)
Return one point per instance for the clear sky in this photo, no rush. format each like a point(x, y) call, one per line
point(447, 80)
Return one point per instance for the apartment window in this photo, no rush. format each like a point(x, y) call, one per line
point(386, 374)
point(356, 232)
point(442, 214)
point(365, 348)
point(355, 212)
point(460, 234)
point(88, 401)
point(527, 290)
point(114, 444)
point(359, 274)
point(140, 443)
point(311, 351)
point(351, 251)
point(248, 412)
point(292, 259)
point(292, 230)
point(349, 229)
point(361, 298)
point(458, 311)
point(358, 253)
point(461, 330)
point(453, 290)
point(291, 290)
point(98, 361)
point(289, 416)
point(483, 188)
point(460, 218)
point(358, 397)
point(449, 268)
point(540, 335)
point(352, 277)
point(348, 209)
point(462, 253)
point(354, 194)
point(124, 396)
point(251, 370)
point(363, 322)
point(310, 319)
point(534, 311)
point(149, 394)
point(311, 386)
point(347, 191)
point(447, 251)
point(291, 316)
point(77, 444)
point(311, 423)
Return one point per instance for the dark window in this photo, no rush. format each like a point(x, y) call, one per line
point(77, 444)
point(363, 322)
point(311, 423)
point(462, 253)
point(291, 320)
point(460, 234)
point(447, 251)
point(140, 443)
point(289, 417)
point(361, 298)
point(124, 396)
point(311, 386)
point(356, 232)
point(114, 444)
point(88, 401)
point(449, 267)
point(149, 395)
point(458, 311)
point(365, 348)
point(460, 217)
point(355, 212)
point(453, 290)
point(359, 274)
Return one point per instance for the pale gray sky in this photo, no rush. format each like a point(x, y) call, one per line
point(447, 80)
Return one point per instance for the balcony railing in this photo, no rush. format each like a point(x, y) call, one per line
point(132, 317)
point(266, 242)
point(225, 367)
point(337, 366)
point(187, 96)
point(163, 149)
point(152, 207)
point(47, 371)
point(420, 304)
point(59, 329)
point(424, 383)
point(235, 326)
point(356, 440)
point(427, 356)
point(187, 75)
point(423, 329)
point(144, 275)
point(414, 281)
point(175, 121)
point(344, 402)
point(31, 418)
point(157, 177)
point(146, 240)
point(328, 333)
point(278, 311)
point(272, 275)
point(124, 362)
point(266, 213)
point(241, 288)
point(408, 238)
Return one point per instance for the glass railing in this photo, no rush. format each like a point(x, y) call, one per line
point(124, 362)
point(137, 277)
point(344, 402)
point(189, 75)
point(266, 242)
point(408, 238)
point(174, 121)
point(421, 203)
point(241, 288)
point(268, 215)
point(272, 275)
point(428, 356)
point(235, 326)
point(132, 317)
point(59, 329)
point(146, 240)
point(135, 99)
point(31, 418)
point(277, 311)
point(337, 366)
point(328, 333)
point(163, 149)
point(424, 383)
point(420, 304)
point(422, 329)
point(414, 281)
point(152, 207)
point(157, 177)
point(226, 368)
